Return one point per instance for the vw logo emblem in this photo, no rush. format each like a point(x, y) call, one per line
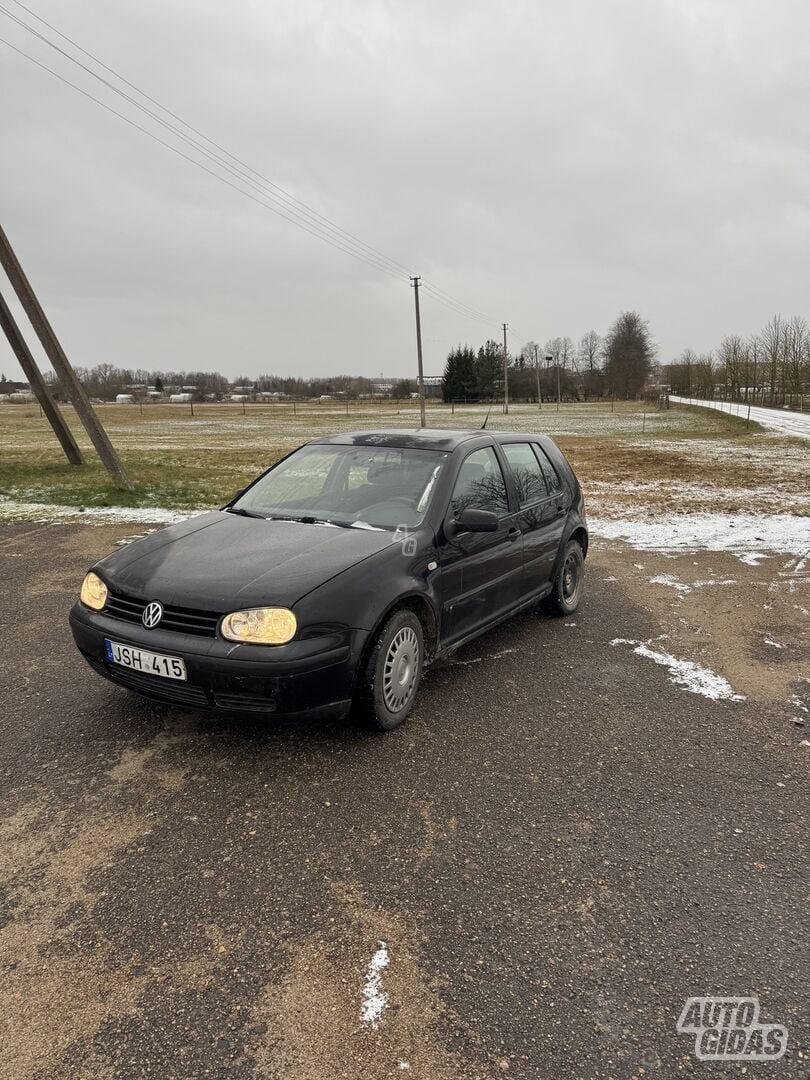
point(152, 614)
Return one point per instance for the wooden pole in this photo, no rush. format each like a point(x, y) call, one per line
point(38, 385)
point(415, 283)
point(60, 363)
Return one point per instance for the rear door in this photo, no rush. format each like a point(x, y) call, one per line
point(542, 503)
point(481, 573)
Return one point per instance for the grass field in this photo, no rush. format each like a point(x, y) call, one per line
point(183, 462)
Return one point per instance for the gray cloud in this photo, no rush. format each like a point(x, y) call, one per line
point(550, 164)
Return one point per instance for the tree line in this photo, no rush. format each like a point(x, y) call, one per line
point(105, 381)
point(618, 364)
point(769, 367)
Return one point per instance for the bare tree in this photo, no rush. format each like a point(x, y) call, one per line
point(772, 341)
point(795, 344)
point(629, 353)
point(590, 351)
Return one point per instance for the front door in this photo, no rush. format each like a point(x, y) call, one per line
point(480, 572)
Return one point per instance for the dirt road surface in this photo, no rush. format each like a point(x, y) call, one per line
point(527, 880)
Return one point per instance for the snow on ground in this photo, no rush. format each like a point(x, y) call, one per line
point(749, 535)
point(374, 997)
point(11, 510)
point(782, 420)
point(685, 673)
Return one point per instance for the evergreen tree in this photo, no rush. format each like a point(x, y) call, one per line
point(489, 370)
point(459, 380)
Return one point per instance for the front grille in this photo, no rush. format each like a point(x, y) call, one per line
point(245, 702)
point(152, 685)
point(184, 620)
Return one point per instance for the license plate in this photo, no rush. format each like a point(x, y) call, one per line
point(150, 663)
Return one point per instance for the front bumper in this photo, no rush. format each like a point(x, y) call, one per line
point(313, 675)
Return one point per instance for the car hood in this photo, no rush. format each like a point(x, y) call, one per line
point(220, 561)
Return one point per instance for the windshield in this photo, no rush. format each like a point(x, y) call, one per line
point(379, 487)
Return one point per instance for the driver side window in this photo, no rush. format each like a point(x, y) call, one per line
point(480, 484)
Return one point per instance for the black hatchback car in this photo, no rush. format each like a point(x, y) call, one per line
point(338, 574)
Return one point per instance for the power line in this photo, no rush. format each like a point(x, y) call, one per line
point(282, 192)
point(199, 164)
point(294, 210)
point(311, 227)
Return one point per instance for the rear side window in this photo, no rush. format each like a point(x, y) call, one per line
point(553, 481)
point(480, 484)
point(529, 478)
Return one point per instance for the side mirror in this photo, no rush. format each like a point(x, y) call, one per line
point(476, 521)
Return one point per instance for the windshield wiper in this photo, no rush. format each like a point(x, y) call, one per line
point(242, 512)
point(309, 520)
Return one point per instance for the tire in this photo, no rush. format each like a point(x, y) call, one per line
point(568, 582)
point(392, 671)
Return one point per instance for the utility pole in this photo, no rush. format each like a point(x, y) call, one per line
point(505, 373)
point(60, 363)
point(38, 385)
point(537, 373)
point(558, 383)
point(415, 283)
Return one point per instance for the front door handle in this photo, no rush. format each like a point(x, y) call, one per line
point(513, 533)
point(561, 509)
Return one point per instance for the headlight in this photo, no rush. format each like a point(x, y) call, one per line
point(260, 626)
point(94, 592)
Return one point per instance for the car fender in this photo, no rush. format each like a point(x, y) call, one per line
point(361, 596)
point(573, 523)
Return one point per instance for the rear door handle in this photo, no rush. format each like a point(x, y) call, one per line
point(513, 533)
point(561, 510)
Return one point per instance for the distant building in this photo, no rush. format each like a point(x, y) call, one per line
point(179, 399)
point(124, 399)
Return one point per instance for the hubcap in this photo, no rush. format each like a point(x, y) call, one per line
point(570, 578)
point(401, 666)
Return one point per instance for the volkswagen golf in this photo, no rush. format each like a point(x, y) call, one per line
point(339, 574)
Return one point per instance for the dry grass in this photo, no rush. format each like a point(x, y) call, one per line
point(184, 461)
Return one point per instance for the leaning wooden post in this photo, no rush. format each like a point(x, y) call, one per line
point(61, 364)
point(38, 385)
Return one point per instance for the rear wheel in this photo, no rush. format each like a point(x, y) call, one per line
point(568, 583)
point(392, 671)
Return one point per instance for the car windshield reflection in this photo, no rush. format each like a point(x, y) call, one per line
point(364, 487)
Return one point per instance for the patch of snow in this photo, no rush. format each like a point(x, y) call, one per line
point(671, 581)
point(685, 673)
point(750, 558)
point(713, 581)
point(374, 997)
point(775, 644)
point(12, 510)
point(749, 534)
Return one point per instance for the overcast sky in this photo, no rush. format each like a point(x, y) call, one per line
point(549, 164)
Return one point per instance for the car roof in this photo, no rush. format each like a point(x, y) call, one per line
point(447, 439)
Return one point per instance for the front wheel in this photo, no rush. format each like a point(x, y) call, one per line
point(568, 582)
point(392, 671)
